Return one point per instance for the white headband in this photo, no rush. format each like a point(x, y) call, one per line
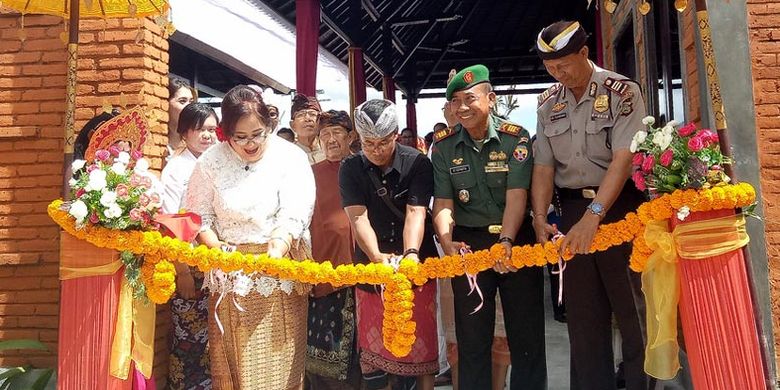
point(386, 123)
point(559, 42)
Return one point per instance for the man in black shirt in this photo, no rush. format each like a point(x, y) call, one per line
point(385, 190)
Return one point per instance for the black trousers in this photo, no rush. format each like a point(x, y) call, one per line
point(522, 295)
point(596, 286)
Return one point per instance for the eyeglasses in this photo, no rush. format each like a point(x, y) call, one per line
point(383, 144)
point(257, 138)
point(307, 113)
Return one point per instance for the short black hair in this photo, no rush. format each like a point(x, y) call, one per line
point(286, 130)
point(438, 127)
point(177, 83)
point(193, 116)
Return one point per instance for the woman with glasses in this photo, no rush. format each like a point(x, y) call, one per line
point(257, 323)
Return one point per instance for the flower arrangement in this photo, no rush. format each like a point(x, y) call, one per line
point(115, 191)
point(671, 157)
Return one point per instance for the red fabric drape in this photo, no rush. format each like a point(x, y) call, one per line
point(411, 114)
point(307, 29)
point(357, 78)
point(388, 88)
point(716, 313)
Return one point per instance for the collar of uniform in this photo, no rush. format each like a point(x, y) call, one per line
point(464, 136)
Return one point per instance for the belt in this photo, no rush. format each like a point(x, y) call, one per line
point(577, 193)
point(492, 229)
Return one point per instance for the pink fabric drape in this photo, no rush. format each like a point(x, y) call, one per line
point(357, 78)
point(717, 318)
point(388, 88)
point(411, 114)
point(307, 29)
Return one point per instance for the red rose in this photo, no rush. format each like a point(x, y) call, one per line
point(639, 180)
point(639, 158)
point(708, 137)
point(695, 144)
point(687, 130)
point(647, 165)
point(667, 157)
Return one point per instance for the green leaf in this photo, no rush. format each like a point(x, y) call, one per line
point(23, 344)
point(10, 373)
point(43, 379)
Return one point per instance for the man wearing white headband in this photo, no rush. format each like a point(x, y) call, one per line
point(385, 190)
point(585, 124)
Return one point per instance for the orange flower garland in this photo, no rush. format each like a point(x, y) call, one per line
point(158, 274)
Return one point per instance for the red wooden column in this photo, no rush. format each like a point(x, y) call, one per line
point(388, 88)
point(411, 113)
point(357, 78)
point(307, 29)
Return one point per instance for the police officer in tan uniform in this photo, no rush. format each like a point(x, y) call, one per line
point(585, 125)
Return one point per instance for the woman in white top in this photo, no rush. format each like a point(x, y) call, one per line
point(188, 362)
point(255, 193)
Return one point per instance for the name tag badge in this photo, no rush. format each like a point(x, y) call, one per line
point(460, 169)
point(497, 166)
point(558, 116)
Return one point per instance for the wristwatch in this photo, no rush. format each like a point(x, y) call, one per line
point(596, 208)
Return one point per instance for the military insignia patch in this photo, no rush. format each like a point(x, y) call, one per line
point(599, 116)
point(523, 140)
point(558, 107)
point(457, 161)
point(509, 128)
point(493, 156)
point(593, 88)
point(601, 104)
point(464, 196)
point(521, 153)
point(547, 93)
point(501, 155)
point(616, 86)
point(468, 77)
point(558, 116)
point(442, 134)
point(626, 108)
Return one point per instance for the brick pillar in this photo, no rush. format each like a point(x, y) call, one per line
point(763, 18)
point(32, 104)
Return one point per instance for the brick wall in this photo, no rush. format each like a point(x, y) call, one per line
point(615, 23)
point(32, 90)
point(763, 22)
point(114, 68)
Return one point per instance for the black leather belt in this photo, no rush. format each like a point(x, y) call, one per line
point(577, 193)
point(492, 229)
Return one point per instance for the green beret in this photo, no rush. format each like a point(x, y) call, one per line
point(467, 78)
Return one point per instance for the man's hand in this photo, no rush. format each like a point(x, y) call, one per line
point(580, 237)
point(543, 229)
point(381, 258)
point(413, 256)
point(453, 248)
point(504, 265)
point(185, 284)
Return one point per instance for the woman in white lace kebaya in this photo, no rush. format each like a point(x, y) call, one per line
point(255, 194)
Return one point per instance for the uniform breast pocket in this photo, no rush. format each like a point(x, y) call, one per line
point(598, 142)
point(559, 135)
point(463, 181)
point(496, 181)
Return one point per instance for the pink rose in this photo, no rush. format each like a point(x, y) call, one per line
point(667, 157)
point(136, 215)
point(92, 168)
point(708, 137)
point(136, 154)
point(93, 218)
point(114, 150)
point(122, 191)
point(687, 130)
point(647, 165)
point(695, 144)
point(143, 200)
point(155, 198)
point(80, 192)
point(146, 182)
point(102, 155)
point(135, 180)
point(639, 180)
point(639, 158)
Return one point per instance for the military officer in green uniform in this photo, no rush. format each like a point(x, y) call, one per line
point(482, 172)
point(584, 128)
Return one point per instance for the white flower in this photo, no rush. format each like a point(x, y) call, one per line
point(78, 210)
point(72, 182)
point(640, 137)
point(672, 123)
point(683, 213)
point(665, 141)
point(648, 120)
point(113, 211)
point(97, 180)
point(124, 158)
point(76, 165)
point(667, 130)
point(119, 168)
point(108, 198)
point(141, 166)
point(634, 146)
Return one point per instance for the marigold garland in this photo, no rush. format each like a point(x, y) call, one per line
point(159, 275)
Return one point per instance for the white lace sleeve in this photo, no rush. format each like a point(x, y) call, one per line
point(296, 197)
point(199, 198)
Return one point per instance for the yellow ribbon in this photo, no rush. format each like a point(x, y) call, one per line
point(67, 273)
point(661, 287)
point(133, 335)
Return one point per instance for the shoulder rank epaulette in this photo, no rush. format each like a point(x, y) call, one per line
point(618, 86)
point(443, 133)
point(510, 128)
point(547, 93)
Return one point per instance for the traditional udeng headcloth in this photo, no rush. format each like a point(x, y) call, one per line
point(335, 118)
point(568, 41)
point(130, 126)
point(303, 102)
point(386, 122)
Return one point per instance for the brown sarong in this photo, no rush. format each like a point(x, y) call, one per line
point(264, 341)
